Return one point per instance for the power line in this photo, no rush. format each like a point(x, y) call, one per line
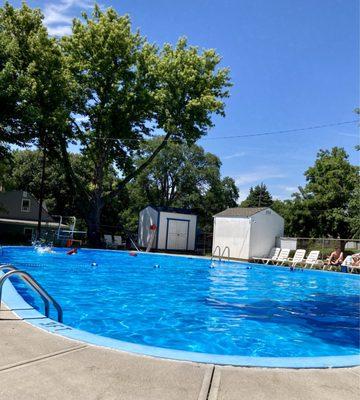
point(279, 132)
point(285, 131)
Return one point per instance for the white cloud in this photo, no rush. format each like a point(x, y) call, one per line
point(235, 155)
point(60, 30)
point(354, 135)
point(258, 175)
point(59, 16)
point(287, 188)
point(281, 197)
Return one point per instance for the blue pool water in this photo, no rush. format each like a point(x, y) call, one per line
point(185, 305)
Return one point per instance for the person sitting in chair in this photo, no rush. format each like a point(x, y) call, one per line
point(356, 260)
point(336, 257)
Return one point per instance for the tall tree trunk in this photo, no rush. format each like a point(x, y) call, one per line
point(42, 187)
point(93, 222)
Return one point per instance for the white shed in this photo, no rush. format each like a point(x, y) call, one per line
point(248, 232)
point(167, 228)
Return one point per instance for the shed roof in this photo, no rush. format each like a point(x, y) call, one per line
point(240, 212)
point(172, 209)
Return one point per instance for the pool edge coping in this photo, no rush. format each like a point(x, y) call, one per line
point(26, 312)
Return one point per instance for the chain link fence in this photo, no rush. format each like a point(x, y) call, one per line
point(204, 244)
point(325, 245)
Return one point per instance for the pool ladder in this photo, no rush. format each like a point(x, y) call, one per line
point(27, 278)
point(221, 253)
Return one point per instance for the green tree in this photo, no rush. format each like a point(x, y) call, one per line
point(327, 205)
point(259, 196)
point(34, 81)
point(354, 212)
point(35, 86)
point(128, 88)
point(181, 176)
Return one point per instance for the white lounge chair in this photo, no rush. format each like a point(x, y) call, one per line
point(273, 255)
point(348, 263)
point(109, 241)
point(353, 268)
point(297, 259)
point(313, 260)
point(282, 257)
point(118, 241)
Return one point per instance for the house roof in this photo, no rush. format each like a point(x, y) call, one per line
point(240, 212)
point(30, 223)
point(172, 209)
point(10, 207)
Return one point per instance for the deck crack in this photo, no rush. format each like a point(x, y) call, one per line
point(214, 384)
point(42, 358)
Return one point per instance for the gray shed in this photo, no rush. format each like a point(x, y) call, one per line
point(167, 228)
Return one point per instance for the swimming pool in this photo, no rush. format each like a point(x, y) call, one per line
point(178, 307)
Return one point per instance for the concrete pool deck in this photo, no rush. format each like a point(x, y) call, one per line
point(35, 364)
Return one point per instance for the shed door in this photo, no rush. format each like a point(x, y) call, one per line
point(177, 234)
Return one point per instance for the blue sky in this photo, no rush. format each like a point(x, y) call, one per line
point(294, 64)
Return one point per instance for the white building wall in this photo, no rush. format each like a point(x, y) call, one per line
point(233, 232)
point(266, 225)
point(286, 243)
point(163, 228)
point(147, 217)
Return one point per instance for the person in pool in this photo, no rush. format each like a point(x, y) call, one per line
point(336, 257)
point(72, 251)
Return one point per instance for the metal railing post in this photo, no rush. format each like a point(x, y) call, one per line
point(228, 252)
point(36, 286)
point(213, 255)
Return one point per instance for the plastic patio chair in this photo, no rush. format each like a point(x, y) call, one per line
point(313, 260)
point(283, 256)
point(273, 255)
point(109, 241)
point(118, 241)
point(297, 259)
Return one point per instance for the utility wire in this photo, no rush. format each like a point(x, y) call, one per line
point(279, 132)
point(284, 131)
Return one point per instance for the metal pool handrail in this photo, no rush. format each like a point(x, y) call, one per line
point(8, 266)
point(47, 298)
point(228, 253)
point(213, 255)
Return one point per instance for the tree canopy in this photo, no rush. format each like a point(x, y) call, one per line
point(127, 89)
point(259, 196)
point(34, 81)
point(328, 205)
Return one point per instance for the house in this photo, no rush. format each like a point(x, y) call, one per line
point(247, 232)
point(167, 228)
point(19, 211)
